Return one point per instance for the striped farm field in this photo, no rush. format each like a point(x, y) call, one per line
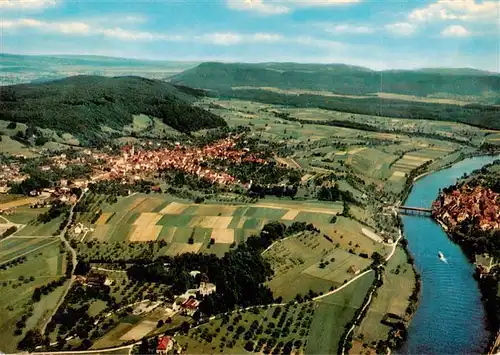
point(144, 218)
point(14, 247)
point(44, 263)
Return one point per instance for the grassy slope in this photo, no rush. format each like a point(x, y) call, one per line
point(333, 313)
point(44, 266)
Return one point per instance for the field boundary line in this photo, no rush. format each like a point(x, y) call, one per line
point(371, 293)
point(31, 251)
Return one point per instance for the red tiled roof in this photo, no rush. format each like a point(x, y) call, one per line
point(163, 343)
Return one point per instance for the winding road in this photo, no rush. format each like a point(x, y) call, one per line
point(365, 306)
point(62, 237)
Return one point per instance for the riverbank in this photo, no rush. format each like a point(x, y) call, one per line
point(406, 192)
point(463, 317)
point(486, 287)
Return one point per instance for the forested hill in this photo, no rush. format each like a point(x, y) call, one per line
point(82, 105)
point(342, 79)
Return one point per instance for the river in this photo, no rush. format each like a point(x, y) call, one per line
point(450, 318)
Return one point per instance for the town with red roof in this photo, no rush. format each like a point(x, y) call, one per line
point(466, 202)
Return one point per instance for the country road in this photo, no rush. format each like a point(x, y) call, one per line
point(389, 256)
point(89, 351)
point(371, 294)
point(74, 261)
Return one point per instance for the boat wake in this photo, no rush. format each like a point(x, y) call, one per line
point(442, 258)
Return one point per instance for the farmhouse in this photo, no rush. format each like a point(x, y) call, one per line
point(206, 288)
point(190, 306)
point(164, 345)
point(95, 279)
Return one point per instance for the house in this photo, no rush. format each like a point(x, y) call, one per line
point(95, 279)
point(206, 288)
point(164, 345)
point(190, 306)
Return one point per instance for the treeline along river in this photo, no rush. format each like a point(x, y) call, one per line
point(450, 318)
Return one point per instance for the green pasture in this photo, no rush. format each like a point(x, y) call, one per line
point(296, 264)
point(332, 313)
point(17, 284)
point(25, 214)
point(392, 297)
point(14, 247)
point(372, 162)
point(36, 228)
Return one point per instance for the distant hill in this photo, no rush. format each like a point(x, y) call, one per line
point(82, 105)
point(21, 69)
point(456, 71)
point(342, 79)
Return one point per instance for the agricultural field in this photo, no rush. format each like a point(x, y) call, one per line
point(144, 218)
point(12, 247)
point(35, 228)
point(25, 214)
point(259, 329)
point(135, 327)
point(43, 262)
point(309, 262)
point(392, 297)
point(332, 313)
point(11, 146)
point(383, 160)
point(16, 201)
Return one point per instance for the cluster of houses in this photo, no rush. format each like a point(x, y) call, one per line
point(465, 202)
point(187, 159)
point(135, 165)
point(10, 173)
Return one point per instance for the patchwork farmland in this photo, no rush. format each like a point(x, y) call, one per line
point(189, 227)
point(310, 262)
point(41, 263)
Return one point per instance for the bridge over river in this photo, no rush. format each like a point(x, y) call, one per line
point(415, 210)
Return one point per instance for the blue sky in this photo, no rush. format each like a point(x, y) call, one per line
point(377, 34)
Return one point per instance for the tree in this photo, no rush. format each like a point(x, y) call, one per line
point(377, 259)
point(185, 327)
point(160, 323)
point(31, 340)
point(249, 346)
point(12, 125)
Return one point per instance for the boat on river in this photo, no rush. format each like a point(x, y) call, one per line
point(441, 256)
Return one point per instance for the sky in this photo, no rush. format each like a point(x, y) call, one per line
point(379, 34)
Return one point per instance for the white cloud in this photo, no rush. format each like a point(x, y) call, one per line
point(224, 39)
point(82, 28)
point(134, 19)
point(462, 10)
point(231, 38)
point(73, 27)
point(321, 43)
point(26, 4)
point(61, 27)
point(346, 28)
point(277, 7)
point(257, 6)
point(267, 37)
point(311, 3)
point(401, 28)
point(455, 31)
